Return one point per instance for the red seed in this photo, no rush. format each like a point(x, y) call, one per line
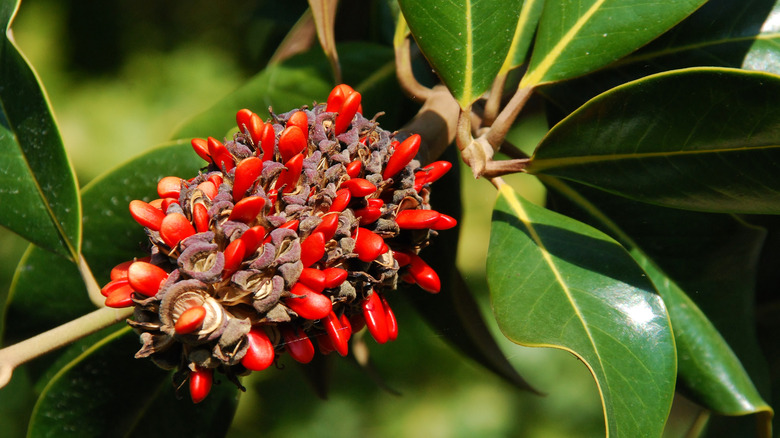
point(247, 209)
point(416, 219)
point(255, 129)
point(334, 277)
point(119, 271)
point(113, 285)
point(402, 155)
point(157, 203)
point(200, 384)
point(338, 336)
point(311, 305)
point(242, 118)
point(337, 97)
point(190, 320)
point(347, 324)
point(376, 321)
point(402, 258)
point(146, 278)
point(444, 223)
point(146, 215)
point(328, 226)
point(253, 238)
point(246, 174)
point(312, 249)
point(313, 278)
point(289, 176)
point(347, 113)
point(368, 245)
point(169, 187)
point(200, 216)
point(354, 168)
point(201, 148)
point(219, 153)
point(359, 187)
point(216, 179)
point(340, 202)
point(260, 354)
point(431, 173)
point(120, 297)
point(268, 141)
point(167, 202)
point(298, 344)
point(392, 323)
point(174, 228)
point(376, 203)
point(300, 120)
point(208, 188)
point(234, 255)
point(424, 275)
point(291, 142)
point(368, 215)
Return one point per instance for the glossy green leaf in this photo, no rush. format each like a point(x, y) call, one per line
point(722, 33)
point(140, 401)
point(525, 30)
point(301, 80)
point(466, 41)
point(38, 190)
point(714, 258)
point(577, 37)
point(699, 139)
point(47, 290)
point(556, 282)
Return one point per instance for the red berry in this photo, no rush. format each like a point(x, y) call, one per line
point(392, 323)
point(417, 219)
point(354, 168)
point(312, 249)
point(424, 275)
point(253, 238)
point(430, 173)
point(169, 187)
point(313, 278)
point(291, 142)
point(174, 228)
point(298, 344)
point(146, 215)
point(268, 142)
point(337, 97)
point(444, 222)
point(246, 174)
point(288, 178)
point(201, 148)
point(328, 226)
point(368, 215)
point(260, 354)
point(347, 113)
point(368, 245)
point(340, 202)
point(190, 320)
point(310, 305)
point(359, 187)
point(120, 297)
point(200, 384)
point(145, 278)
point(200, 216)
point(334, 277)
point(119, 271)
point(339, 337)
point(402, 155)
point(208, 188)
point(376, 321)
point(247, 209)
point(234, 255)
point(300, 120)
point(402, 258)
point(220, 155)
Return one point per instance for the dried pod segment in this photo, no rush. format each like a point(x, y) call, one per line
point(292, 235)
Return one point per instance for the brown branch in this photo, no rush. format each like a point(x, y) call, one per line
point(495, 136)
point(493, 102)
point(504, 167)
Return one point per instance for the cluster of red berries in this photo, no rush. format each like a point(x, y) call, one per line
point(291, 233)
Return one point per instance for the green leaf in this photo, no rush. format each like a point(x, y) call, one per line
point(299, 81)
point(577, 37)
point(698, 139)
point(38, 189)
point(47, 290)
point(722, 33)
point(524, 33)
point(466, 42)
point(714, 257)
point(556, 282)
point(140, 401)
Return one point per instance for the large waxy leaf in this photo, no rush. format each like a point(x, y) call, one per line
point(699, 139)
point(47, 290)
point(559, 283)
point(525, 30)
point(577, 37)
point(466, 41)
point(722, 33)
point(299, 81)
point(141, 401)
point(713, 256)
point(38, 190)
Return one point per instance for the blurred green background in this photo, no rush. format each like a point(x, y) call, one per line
point(121, 75)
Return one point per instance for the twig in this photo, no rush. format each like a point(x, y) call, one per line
point(93, 289)
point(504, 167)
point(403, 70)
point(495, 136)
point(17, 354)
point(493, 102)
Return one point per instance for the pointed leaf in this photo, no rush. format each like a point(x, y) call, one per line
point(559, 283)
point(140, 403)
point(713, 257)
point(465, 42)
point(38, 190)
point(699, 139)
point(524, 33)
point(577, 37)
